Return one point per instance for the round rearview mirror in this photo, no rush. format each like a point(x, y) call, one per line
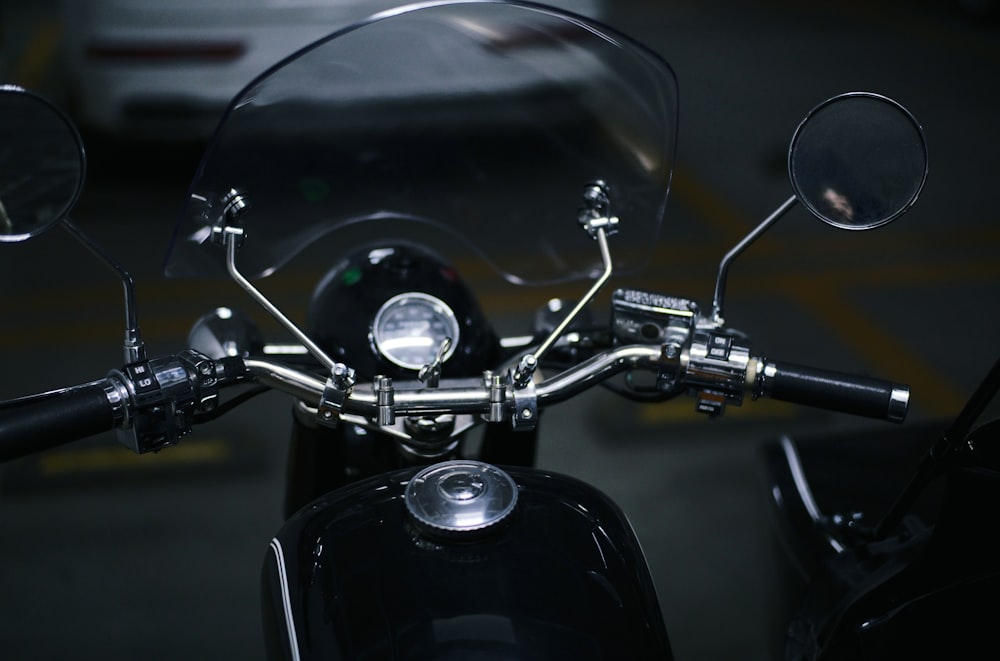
point(858, 160)
point(42, 164)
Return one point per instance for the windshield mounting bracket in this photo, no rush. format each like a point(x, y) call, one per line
point(596, 220)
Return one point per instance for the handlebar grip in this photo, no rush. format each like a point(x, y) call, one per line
point(56, 420)
point(838, 391)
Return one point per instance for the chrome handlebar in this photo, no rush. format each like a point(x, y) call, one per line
point(155, 402)
point(717, 369)
point(495, 399)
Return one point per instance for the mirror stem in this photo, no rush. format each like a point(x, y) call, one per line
point(134, 348)
point(720, 282)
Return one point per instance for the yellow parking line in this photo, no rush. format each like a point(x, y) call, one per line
point(932, 390)
point(31, 65)
point(821, 293)
point(682, 410)
point(114, 458)
point(709, 206)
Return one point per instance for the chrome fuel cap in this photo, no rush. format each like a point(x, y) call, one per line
point(460, 496)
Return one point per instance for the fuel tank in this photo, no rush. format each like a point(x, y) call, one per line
point(400, 567)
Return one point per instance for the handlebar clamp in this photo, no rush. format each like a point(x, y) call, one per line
point(525, 414)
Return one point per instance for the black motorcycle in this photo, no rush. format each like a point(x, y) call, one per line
point(408, 150)
point(885, 539)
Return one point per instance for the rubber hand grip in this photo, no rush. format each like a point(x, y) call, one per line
point(46, 423)
point(837, 391)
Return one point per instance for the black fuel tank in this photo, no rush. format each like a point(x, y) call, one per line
point(353, 576)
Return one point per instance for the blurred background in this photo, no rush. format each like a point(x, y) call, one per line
point(105, 554)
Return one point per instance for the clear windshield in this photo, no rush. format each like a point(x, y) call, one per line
point(474, 126)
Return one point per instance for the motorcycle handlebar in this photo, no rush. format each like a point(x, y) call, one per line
point(848, 393)
point(54, 420)
point(838, 391)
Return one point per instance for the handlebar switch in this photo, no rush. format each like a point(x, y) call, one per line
point(717, 370)
point(163, 394)
point(712, 404)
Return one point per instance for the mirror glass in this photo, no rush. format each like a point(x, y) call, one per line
point(858, 160)
point(42, 164)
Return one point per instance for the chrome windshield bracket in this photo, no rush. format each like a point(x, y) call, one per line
point(223, 234)
point(525, 371)
point(595, 220)
point(430, 374)
point(596, 211)
point(233, 236)
point(335, 393)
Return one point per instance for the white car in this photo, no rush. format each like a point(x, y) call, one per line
point(166, 69)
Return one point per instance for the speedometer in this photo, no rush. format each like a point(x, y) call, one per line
point(409, 329)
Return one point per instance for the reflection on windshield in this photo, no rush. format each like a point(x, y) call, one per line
point(6, 226)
